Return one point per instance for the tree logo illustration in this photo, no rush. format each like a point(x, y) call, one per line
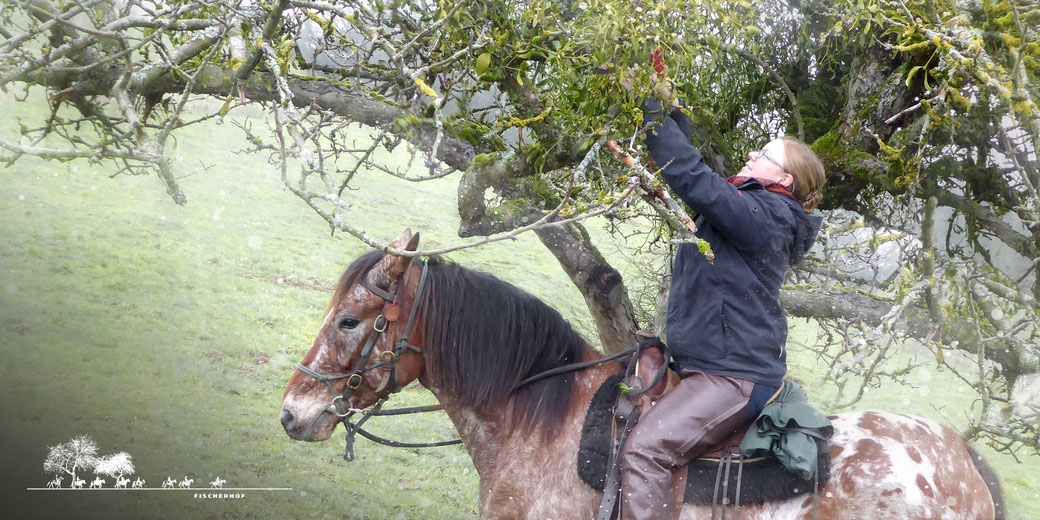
point(78, 454)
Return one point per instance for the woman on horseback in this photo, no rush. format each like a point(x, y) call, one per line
point(725, 327)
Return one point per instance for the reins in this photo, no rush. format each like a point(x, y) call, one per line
point(352, 429)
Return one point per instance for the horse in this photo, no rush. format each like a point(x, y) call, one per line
point(169, 483)
point(97, 483)
point(138, 483)
point(219, 483)
point(56, 483)
point(78, 483)
point(121, 482)
point(474, 338)
point(186, 482)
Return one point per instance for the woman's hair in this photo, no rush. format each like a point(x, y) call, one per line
point(807, 170)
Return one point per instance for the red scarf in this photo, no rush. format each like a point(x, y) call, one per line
point(773, 186)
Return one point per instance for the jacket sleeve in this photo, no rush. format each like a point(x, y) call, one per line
point(736, 215)
point(681, 121)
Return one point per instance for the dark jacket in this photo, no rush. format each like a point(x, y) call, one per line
point(725, 318)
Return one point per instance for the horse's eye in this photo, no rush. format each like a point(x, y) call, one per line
point(348, 323)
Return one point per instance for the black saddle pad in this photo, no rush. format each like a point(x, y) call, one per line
point(763, 480)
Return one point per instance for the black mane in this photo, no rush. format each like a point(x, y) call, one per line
point(483, 336)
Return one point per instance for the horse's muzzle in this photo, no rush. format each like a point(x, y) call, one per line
point(319, 429)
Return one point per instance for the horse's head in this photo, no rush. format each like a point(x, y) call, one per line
point(358, 356)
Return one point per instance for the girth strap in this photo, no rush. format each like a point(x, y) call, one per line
point(740, 480)
point(626, 415)
point(722, 477)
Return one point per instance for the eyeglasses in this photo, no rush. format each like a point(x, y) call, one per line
point(770, 158)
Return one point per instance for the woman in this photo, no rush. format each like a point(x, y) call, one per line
point(725, 327)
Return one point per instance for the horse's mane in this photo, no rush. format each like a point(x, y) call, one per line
point(483, 336)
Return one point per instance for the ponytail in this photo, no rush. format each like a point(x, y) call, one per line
point(807, 170)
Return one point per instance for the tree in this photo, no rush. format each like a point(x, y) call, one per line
point(115, 466)
point(78, 453)
point(924, 112)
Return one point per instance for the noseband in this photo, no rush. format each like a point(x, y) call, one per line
point(388, 358)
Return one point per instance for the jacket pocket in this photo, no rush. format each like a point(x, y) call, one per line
point(726, 343)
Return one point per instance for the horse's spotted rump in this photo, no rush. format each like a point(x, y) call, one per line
point(914, 469)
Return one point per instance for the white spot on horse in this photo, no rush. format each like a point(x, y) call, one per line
point(902, 467)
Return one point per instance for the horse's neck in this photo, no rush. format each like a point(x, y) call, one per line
point(479, 429)
point(487, 435)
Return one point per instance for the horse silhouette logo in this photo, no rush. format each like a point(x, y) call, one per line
point(168, 483)
point(186, 483)
point(55, 483)
point(138, 484)
point(219, 483)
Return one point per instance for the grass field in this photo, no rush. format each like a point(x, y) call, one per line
point(168, 332)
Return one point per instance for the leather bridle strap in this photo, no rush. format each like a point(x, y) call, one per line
point(321, 377)
point(390, 297)
point(382, 323)
point(354, 380)
point(402, 345)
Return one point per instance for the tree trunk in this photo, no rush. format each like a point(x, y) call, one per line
point(601, 285)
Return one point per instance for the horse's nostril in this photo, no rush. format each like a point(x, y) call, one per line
point(286, 418)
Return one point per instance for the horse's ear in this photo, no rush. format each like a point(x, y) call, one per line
point(406, 242)
point(402, 240)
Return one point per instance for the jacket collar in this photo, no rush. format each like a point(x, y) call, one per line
point(744, 182)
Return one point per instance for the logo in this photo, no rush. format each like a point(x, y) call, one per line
point(73, 462)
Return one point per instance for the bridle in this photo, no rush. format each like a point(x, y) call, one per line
point(387, 359)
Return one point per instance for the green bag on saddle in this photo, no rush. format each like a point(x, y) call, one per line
point(787, 429)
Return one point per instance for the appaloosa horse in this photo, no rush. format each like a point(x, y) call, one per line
point(476, 337)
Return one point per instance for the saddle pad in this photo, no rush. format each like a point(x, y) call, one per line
point(763, 480)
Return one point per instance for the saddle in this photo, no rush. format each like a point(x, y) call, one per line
point(719, 476)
